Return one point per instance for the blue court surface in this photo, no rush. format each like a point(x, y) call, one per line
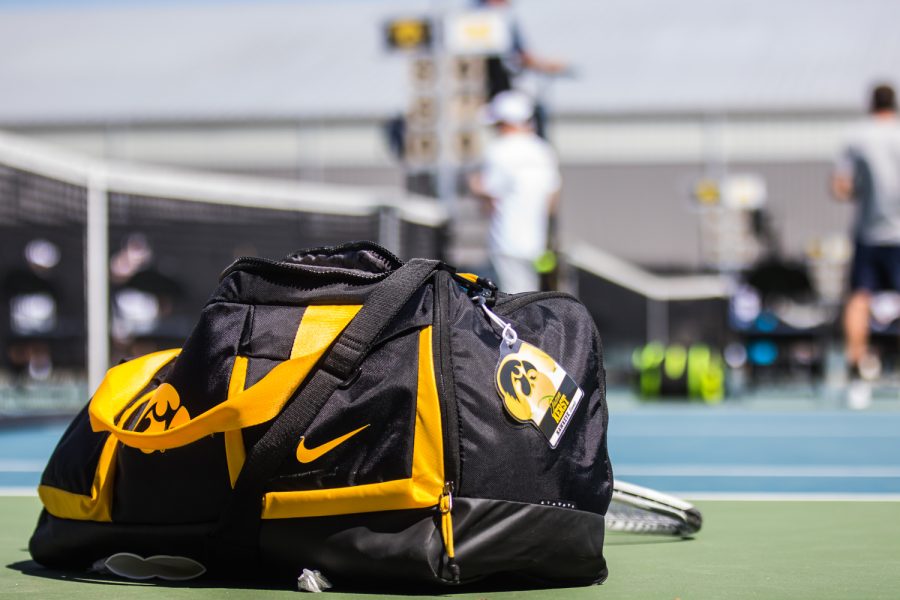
point(695, 451)
point(723, 451)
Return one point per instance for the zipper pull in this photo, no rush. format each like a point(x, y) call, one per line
point(509, 335)
point(476, 285)
point(445, 505)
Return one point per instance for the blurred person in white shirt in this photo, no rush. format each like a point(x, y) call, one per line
point(520, 180)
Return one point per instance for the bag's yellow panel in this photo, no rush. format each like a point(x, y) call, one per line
point(421, 490)
point(235, 453)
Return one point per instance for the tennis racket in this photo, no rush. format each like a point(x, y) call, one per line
point(636, 509)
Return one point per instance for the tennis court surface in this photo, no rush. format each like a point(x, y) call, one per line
point(823, 519)
point(760, 549)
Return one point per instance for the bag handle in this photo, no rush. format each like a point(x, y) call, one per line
point(123, 383)
point(257, 404)
point(236, 539)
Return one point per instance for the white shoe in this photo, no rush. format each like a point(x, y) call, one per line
point(859, 395)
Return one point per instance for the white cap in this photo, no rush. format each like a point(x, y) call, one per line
point(511, 107)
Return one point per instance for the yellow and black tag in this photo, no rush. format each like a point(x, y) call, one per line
point(536, 390)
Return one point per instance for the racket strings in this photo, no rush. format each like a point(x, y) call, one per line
point(631, 519)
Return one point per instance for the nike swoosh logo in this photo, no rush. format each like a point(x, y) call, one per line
point(307, 455)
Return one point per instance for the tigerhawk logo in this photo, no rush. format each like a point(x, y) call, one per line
point(524, 385)
point(163, 412)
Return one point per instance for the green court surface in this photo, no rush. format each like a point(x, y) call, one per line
point(762, 549)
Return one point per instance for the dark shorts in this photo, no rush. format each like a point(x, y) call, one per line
point(875, 268)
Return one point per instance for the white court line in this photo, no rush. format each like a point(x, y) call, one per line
point(744, 433)
point(848, 471)
point(18, 491)
point(785, 497)
point(22, 466)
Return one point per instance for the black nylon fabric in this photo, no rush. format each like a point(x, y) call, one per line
point(262, 284)
point(70, 544)
point(74, 460)
point(268, 331)
point(257, 368)
point(548, 543)
point(200, 375)
point(203, 368)
point(495, 537)
point(505, 459)
point(181, 485)
point(365, 398)
point(383, 397)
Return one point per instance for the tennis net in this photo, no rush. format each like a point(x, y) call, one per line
point(99, 260)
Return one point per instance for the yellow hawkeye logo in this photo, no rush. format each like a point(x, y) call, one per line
point(307, 455)
point(164, 411)
point(526, 391)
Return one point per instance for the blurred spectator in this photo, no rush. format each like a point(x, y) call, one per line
point(520, 180)
point(503, 70)
point(142, 299)
point(867, 171)
point(32, 306)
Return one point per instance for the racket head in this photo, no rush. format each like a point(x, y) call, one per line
point(636, 509)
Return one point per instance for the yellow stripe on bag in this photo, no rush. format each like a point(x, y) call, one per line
point(421, 490)
point(320, 326)
point(255, 405)
point(235, 453)
point(97, 506)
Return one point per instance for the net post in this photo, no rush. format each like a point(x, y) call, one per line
point(389, 229)
point(97, 289)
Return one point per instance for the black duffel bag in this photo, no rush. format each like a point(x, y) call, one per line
point(342, 411)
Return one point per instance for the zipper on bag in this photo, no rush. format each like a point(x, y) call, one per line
point(476, 292)
point(449, 419)
point(445, 505)
point(444, 376)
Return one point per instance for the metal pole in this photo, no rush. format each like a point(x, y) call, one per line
point(97, 292)
point(446, 173)
point(715, 149)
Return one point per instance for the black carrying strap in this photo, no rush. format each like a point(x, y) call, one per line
point(235, 541)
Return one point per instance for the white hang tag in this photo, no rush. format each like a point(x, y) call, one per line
point(533, 387)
